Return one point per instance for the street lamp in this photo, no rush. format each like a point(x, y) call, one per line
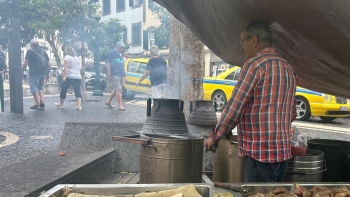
point(97, 92)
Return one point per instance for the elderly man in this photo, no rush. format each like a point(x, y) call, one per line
point(39, 68)
point(262, 106)
point(157, 69)
point(116, 74)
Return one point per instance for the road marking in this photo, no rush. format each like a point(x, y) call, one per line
point(10, 138)
point(137, 102)
point(41, 137)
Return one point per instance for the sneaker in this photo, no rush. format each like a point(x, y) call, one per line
point(35, 107)
point(58, 105)
point(78, 108)
point(42, 104)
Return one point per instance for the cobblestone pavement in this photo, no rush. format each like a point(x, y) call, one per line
point(39, 131)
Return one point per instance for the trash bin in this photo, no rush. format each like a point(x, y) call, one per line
point(335, 154)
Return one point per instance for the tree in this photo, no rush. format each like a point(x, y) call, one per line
point(162, 32)
point(48, 18)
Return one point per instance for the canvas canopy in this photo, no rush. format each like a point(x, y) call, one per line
point(313, 35)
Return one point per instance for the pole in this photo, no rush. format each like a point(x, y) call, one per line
point(1, 92)
point(15, 71)
point(97, 91)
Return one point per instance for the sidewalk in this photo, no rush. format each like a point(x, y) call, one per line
point(7, 85)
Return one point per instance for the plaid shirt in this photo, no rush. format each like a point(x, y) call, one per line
point(263, 107)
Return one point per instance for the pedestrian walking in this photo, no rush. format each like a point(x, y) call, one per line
point(116, 75)
point(71, 76)
point(157, 70)
point(262, 106)
point(39, 68)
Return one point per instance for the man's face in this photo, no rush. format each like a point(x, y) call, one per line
point(246, 45)
point(120, 49)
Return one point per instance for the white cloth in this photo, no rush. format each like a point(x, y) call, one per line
point(158, 90)
point(74, 67)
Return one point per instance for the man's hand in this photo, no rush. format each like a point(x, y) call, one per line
point(64, 79)
point(211, 145)
point(125, 80)
point(137, 84)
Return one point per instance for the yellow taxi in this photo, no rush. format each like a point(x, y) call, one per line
point(309, 103)
point(134, 69)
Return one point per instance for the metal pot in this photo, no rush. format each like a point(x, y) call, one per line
point(202, 113)
point(168, 158)
point(227, 167)
point(165, 117)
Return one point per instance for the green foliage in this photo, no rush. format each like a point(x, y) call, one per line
point(162, 33)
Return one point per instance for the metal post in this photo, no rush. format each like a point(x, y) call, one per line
point(1, 92)
point(15, 70)
point(97, 91)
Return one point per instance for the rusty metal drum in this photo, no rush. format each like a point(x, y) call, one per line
point(165, 117)
point(202, 113)
point(171, 159)
point(227, 167)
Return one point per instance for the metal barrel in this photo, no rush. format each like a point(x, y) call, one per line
point(227, 167)
point(171, 159)
point(308, 168)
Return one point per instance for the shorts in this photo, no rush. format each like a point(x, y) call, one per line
point(36, 83)
point(117, 83)
point(158, 90)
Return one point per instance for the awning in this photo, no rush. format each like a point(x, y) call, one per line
point(313, 35)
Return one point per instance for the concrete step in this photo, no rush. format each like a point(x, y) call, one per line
point(41, 173)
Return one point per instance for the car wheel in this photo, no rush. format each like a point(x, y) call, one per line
point(219, 98)
point(303, 109)
point(327, 119)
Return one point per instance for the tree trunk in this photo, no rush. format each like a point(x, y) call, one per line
point(51, 42)
point(192, 70)
point(173, 89)
point(186, 65)
point(83, 84)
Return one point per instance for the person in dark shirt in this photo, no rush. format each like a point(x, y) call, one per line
point(116, 74)
point(157, 70)
point(37, 74)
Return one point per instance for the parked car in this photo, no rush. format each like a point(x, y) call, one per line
point(309, 103)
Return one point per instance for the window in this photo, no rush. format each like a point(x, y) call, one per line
point(106, 6)
point(136, 34)
point(142, 67)
point(125, 35)
point(234, 76)
point(135, 3)
point(120, 5)
point(132, 66)
point(151, 38)
point(237, 72)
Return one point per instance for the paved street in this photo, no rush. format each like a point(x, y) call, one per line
point(38, 131)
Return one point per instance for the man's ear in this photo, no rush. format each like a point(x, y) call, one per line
point(255, 41)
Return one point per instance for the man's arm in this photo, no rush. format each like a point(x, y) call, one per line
point(241, 94)
point(144, 76)
point(24, 65)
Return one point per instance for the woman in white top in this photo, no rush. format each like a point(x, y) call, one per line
point(70, 76)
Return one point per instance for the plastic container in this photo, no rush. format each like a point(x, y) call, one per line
point(298, 150)
point(335, 154)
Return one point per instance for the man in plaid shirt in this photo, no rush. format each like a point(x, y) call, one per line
point(262, 107)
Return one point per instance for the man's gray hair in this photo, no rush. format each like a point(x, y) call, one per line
point(154, 51)
point(260, 30)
